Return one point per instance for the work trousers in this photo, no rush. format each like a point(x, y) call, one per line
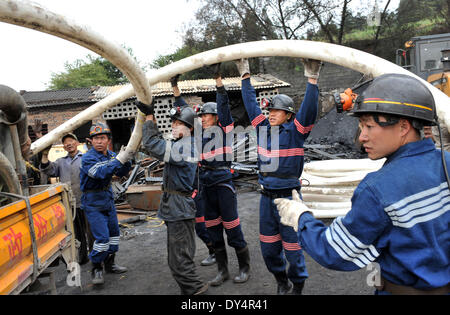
point(221, 212)
point(200, 226)
point(279, 243)
point(180, 253)
point(105, 229)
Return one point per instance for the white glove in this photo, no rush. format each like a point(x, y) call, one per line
point(124, 155)
point(291, 210)
point(243, 67)
point(312, 68)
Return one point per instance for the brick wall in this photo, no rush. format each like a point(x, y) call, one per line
point(54, 116)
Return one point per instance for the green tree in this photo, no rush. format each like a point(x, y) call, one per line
point(90, 72)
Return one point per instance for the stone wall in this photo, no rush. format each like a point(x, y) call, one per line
point(332, 77)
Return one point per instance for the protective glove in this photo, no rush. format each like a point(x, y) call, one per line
point(214, 69)
point(124, 155)
point(291, 210)
point(174, 80)
point(243, 67)
point(312, 68)
point(144, 108)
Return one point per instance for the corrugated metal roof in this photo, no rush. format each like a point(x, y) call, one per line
point(58, 97)
point(259, 81)
point(36, 99)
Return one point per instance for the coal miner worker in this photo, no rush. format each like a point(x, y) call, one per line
point(399, 220)
point(200, 226)
point(67, 168)
point(98, 165)
point(177, 207)
point(216, 186)
point(280, 161)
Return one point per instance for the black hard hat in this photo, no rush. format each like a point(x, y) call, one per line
point(283, 102)
point(184, 114)
point(397, 94)
point(99, 129)
point(208, 108)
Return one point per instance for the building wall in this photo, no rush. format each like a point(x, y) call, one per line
point(55, 116)
point(291, 70)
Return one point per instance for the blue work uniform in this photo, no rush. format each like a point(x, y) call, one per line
point(280, 163)
point(200, 225)
point(97, 200)
point(216, 187)
point(399, 219)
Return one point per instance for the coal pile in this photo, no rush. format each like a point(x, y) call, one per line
point(334, 136)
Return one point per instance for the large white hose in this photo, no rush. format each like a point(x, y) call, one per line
point(341, 55)
point(328, 186)
point(32, 15)
point(29, 15)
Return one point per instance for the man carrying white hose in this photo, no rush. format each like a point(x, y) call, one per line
point(280, 163)
point(177, 207)
point(399, 217)
point(98, 165)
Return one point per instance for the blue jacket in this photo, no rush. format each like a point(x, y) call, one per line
point(280, 149)
point(399, 219)
point(96, 172)
point(180, 169)
point(217, 141)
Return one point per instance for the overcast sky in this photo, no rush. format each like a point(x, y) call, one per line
point(150, 28)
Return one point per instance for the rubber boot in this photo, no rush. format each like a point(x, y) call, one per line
point(112, 267)
point(97, 274)
point(222, 266)
point(211, 259)
point(243, 257)
point(284, 286)
point(298, 288)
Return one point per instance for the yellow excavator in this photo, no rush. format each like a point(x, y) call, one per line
point(429, 58)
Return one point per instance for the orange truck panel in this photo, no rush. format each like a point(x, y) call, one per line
point(49, 220)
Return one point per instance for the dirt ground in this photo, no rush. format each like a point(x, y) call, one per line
point(143, 251)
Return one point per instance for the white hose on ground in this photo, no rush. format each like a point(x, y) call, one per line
point(329, 195)
point(343, 165)
point(330, 214)
point(331, 190)
point(324, 198)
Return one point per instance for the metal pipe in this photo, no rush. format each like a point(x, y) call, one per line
point(20, 163)
point(13, 111)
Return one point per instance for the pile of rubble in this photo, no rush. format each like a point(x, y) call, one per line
point(333, 137)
